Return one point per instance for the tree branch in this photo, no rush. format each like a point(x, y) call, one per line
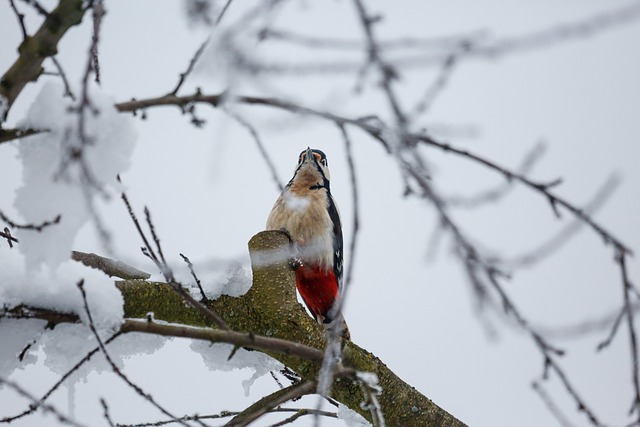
point(270, 309)
point(270, 402)
point(270, 319)
point(35, 49)
point(109, 266)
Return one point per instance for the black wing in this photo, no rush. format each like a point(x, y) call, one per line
point(337, 240)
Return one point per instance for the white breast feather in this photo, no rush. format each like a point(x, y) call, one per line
point(296, 203)
point(309, 225)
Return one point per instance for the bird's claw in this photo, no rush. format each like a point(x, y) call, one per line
point(295, 263)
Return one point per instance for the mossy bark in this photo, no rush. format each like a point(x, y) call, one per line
point(270, 308)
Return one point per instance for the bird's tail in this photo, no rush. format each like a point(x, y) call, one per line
point(341, 327)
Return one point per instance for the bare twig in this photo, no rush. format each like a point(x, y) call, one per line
point(223, 414)
point(270, 402)
point(263, 151)
point(297, 413)
point(551, 406)
point(239, 339)
point(195, 277)
point(20, 17)
point(533, 257)
point(161, 261)
point(300, 413)
point(480, 47)
point(63, 76)
point(355, 201)
point(614, 326)
point(446, 43)
point(105, 408)
point(544, 189)
point(115, 368)
point(166, 270)
point(493, 195)
point(36, 227)
point(377, 130)
point(387, 71)
point(38, 7)
point(6, 234)
point(633, 342)
point(192, 63)
point(33, 407)
point(436, 87)
point(97, 15)
point(45, 407)
point(7, 135)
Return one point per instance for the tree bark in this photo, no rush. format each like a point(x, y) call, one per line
point(270, 308)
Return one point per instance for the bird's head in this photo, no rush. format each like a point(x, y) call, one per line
point(312, 171)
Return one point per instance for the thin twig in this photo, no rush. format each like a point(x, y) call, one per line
point(98, 13)
point(115, 368)
point(633, 342)
point(270, 402)
point(446, 43)
point(223, 11)
point(63, 76)
point(493, 195)
point(195, 277)
point(6, 234)
point(438, 85)
point(377, 131)
point(36, 227)
point(192, 63)
point(551, 406)
point(38, 7)
point(532, 257)
point(386, 70)
point(45, 407)
point(614, 329)
point(297, 413)
point(355, 202)
point(168, 273)
point(543, 188)
point(263, 151)
point(156, 239)
point(240, 339)
point(105, 409)
point(20, 17)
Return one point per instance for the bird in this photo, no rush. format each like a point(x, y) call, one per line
point(308, 214)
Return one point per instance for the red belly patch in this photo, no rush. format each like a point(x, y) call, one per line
point(318, 288)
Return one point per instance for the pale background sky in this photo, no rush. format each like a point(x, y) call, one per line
point(210, 191)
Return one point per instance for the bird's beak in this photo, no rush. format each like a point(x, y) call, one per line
point(309, 156)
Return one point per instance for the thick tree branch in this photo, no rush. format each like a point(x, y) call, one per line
point(35, 49)
point(270, 319)
point(271, 309)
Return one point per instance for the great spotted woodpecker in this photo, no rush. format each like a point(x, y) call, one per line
point(307, 212)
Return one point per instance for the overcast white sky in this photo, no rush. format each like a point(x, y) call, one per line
point(209, 191)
